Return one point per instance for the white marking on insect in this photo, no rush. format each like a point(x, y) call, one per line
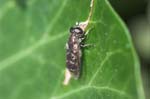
point(73, 57)
point(75, 46)
point(73, 38)
point(71, 62)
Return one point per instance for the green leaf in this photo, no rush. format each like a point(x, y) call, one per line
point(33, 34)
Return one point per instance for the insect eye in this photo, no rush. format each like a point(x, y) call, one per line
point(77, 30)
point(71, 30)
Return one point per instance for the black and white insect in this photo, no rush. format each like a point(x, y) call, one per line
point(73, 54)
point(74, 51)
point(74, 48)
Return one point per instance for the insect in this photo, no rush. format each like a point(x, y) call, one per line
point(73, 54)
point(74, 50)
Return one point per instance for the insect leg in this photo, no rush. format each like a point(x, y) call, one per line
point(86, 45)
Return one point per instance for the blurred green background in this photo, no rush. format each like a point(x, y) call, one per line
point(136, 14)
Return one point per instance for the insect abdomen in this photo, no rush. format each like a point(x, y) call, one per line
point(73, 57)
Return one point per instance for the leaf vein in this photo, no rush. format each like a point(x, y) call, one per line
point(20, 55)
point(108, 55)
point(102, 88)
